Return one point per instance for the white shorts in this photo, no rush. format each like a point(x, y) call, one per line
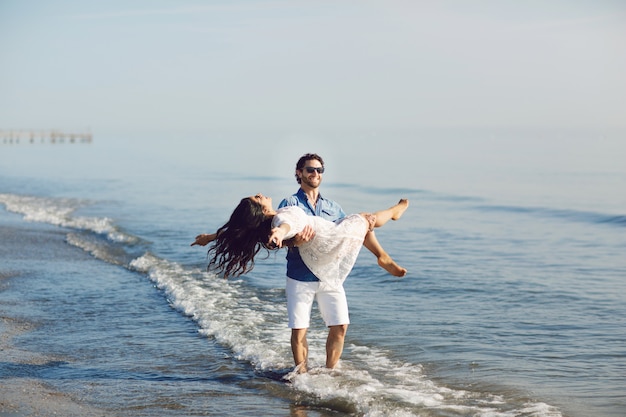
point(331, 301)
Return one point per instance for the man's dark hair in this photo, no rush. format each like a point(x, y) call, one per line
point(302, 161)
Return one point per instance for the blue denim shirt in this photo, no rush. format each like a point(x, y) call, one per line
point(328, 209)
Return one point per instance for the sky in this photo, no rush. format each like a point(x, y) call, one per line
point(478, 97)
point(295, 66)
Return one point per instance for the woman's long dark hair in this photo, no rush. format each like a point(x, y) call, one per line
point(240, 239)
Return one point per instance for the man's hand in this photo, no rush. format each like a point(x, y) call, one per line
point(304, 236)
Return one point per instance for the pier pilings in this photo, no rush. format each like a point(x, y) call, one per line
point(50, 136)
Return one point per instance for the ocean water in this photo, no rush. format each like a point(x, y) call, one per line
point(514, 305)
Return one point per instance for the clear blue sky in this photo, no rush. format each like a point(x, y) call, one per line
point(144, 66)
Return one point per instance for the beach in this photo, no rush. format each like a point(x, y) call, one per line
point(21, 396)
point(513, 304)
point(71, 343)
point(20, 393)
point(128, 129)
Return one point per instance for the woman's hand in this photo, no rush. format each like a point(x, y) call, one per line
point(277, 235)
point(204, 239)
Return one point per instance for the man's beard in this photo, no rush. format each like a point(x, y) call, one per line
point(312, 184)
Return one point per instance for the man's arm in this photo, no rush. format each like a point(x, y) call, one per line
point(304, 236)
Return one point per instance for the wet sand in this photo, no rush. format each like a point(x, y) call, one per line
point(20, 394)
point(23, 396)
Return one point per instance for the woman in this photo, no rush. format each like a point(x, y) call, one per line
point(330, 255)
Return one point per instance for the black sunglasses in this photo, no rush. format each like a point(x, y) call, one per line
point(311, 170)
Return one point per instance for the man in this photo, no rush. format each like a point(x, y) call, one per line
point(303, 287)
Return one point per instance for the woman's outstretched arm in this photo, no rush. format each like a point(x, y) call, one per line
point(277, 235)
point(204, 239)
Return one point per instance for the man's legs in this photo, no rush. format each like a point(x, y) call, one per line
point(300, 297)
point(334, 344)
point(333, 306)
point(300, 349)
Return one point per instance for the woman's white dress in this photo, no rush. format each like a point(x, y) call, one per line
point(331, 254)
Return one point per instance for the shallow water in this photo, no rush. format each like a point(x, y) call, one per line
point(510, 308)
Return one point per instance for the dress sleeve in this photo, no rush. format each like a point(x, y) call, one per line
point(294, 217)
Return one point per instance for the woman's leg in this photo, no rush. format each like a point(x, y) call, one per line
point(384, 260)
point(392, 213)
point(378, 219)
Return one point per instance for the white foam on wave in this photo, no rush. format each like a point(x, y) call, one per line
point(97, 249)
point(252, 324)
point(371, 383)
point(385, 387)
point(224, 310)
point(60, 212)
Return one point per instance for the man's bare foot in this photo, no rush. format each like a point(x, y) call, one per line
point(299, 369)
point(400, 208)
point(391, 266)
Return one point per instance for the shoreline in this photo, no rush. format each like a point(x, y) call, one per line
point(22, 395)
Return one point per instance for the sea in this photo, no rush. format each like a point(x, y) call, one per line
point(514, 304)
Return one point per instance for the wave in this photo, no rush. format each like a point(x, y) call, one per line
point(404, 192)
point(618, 220)
point(563, 214)
point(250, 323)
point(60, 212)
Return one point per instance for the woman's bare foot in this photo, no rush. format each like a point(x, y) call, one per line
point(400, 208)
point(391, 266)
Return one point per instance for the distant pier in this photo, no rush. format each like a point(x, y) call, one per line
point(52, 136)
